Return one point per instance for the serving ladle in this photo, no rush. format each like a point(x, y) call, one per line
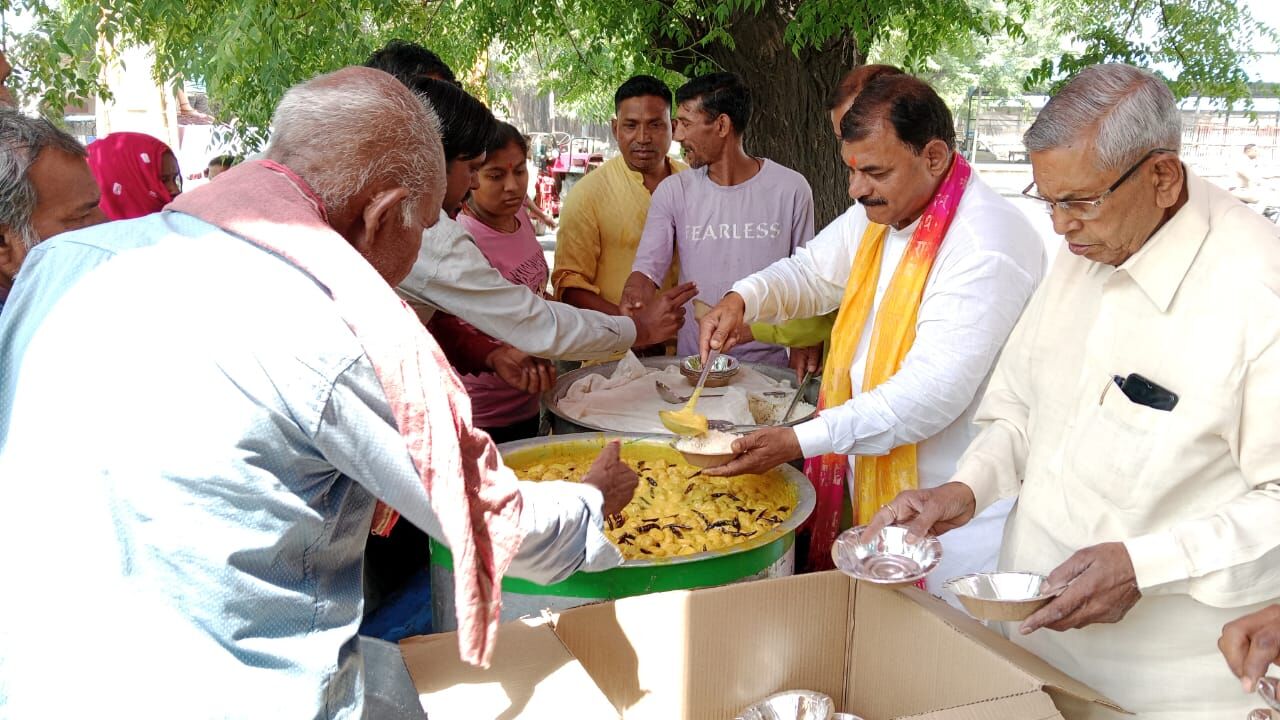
point(685, 421)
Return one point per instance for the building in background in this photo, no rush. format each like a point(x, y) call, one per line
point(140, 104)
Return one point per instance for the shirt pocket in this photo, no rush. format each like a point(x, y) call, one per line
point(1111, 451)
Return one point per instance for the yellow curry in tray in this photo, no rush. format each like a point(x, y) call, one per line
point(673, 513)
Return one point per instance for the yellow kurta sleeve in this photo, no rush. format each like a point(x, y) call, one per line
point(600, 227)
point(578, 244)
point(801, 332)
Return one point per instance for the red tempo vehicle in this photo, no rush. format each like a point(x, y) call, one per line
point(561, 160)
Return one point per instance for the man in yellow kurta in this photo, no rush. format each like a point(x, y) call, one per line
point(1133, 411)
point(602, 219)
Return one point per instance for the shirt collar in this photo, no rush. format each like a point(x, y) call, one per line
point(673, 167)
point(1160, 266)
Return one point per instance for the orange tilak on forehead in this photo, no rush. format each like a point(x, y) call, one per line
point(853, 162)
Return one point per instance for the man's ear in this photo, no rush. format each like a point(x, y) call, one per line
point(12, 253)
point(379, 213)
point(937, 155)
point(1168, 175)
point(724, 126)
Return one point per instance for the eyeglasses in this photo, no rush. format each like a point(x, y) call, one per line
point(1089, 208)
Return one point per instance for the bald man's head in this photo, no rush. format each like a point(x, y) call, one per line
point(355, 130)
point(364, 143)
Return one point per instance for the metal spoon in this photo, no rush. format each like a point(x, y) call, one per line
point(669, 395)
point(726, 426)
point(799, 391)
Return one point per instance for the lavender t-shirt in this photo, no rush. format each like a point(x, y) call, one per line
point(723, 234)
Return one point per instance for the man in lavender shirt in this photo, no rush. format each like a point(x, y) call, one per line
point(729, 216)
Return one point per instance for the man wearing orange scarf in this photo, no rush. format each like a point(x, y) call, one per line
point(930, 270)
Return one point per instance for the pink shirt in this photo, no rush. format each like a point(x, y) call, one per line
point(518, 257)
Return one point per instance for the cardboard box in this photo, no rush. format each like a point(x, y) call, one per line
point(707, 654)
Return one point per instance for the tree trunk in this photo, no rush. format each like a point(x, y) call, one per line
point(790, 124)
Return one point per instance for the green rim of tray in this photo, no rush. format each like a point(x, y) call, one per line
point(658, 577)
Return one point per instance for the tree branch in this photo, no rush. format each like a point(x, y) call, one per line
point(681, 56)
point(431, 21)
point(573, 41)
point(1175, 47)
point(1133, 18)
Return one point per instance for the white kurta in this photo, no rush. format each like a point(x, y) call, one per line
point(451, 274)
point(982, 277)
point(1191, 492)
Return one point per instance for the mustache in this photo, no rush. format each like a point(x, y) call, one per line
point(872, 202)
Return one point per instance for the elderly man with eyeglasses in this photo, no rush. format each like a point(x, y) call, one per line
point(1133, 410)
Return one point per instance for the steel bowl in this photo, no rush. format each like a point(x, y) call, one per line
point(723, 368)
point(533, 449)
point(561, 423)
point(791, 705)
point(1005, 596)
point(887, 558)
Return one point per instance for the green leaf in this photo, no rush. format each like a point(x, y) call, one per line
point(249, 52)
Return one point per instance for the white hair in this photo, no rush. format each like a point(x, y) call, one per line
point(343, 136)
point(1129, 110)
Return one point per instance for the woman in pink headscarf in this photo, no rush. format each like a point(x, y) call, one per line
point(138, 174)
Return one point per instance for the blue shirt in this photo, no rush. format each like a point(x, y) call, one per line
point(191, 445)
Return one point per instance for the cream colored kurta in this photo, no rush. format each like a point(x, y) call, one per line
point(1192, 493)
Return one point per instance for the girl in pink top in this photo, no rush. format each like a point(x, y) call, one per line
point(494, 215)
